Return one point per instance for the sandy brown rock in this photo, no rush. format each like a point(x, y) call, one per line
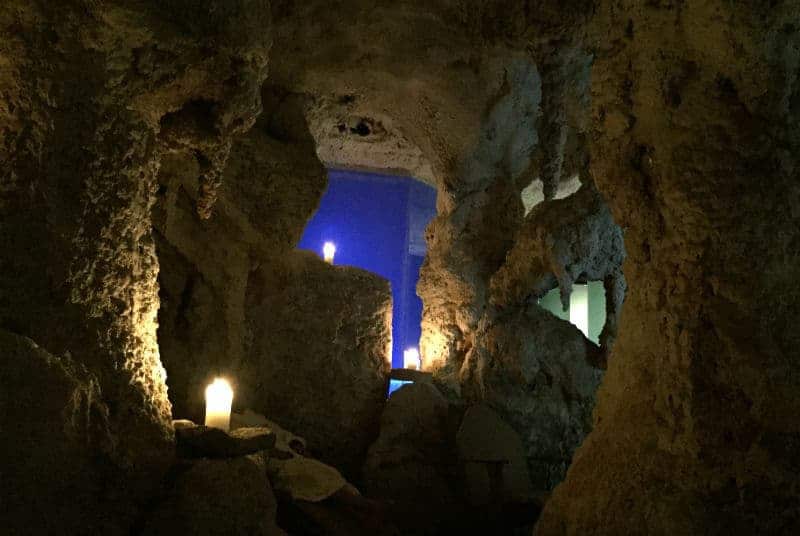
point(694, 148)
point(304, 479)
point(272, 184)
point(93, 95)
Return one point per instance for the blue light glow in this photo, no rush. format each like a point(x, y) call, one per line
point(394, 385)
point(377, 223)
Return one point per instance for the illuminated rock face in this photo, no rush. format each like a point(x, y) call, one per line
point(694, 147)
point(93, 95)
point(303, 342)
point(692, 131)
point(271, 186)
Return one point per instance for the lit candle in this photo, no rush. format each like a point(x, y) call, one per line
point(411, 359)
point(329, 250)
point(219, 396)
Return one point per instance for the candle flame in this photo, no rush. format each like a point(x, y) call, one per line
point(329, 250)
point(411, 359)
point(220, 389)
point(219, 396)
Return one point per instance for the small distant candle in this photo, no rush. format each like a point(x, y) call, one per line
point(411, 359)
point(329, 250)
point(219, 396)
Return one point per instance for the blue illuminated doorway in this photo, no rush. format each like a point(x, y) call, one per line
point(378, 223)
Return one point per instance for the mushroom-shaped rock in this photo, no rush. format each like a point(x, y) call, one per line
point(494, 460)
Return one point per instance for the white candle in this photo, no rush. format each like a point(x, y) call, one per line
point(411, 359)
point(219, 396)
point(329, 250)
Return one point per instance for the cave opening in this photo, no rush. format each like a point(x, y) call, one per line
point(377, 222)
point(586, 310)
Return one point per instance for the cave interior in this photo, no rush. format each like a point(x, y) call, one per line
point(563, 297)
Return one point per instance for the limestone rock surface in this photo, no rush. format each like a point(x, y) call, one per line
point(93, 95)
point(317, 359)
point(55, 439)
point(694, 146)
point(534, 369)
point(272, 184)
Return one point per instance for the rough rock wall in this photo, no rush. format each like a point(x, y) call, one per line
point(272, 184)
point(562, 242)
point(694, 145)
point(537, 371)
point(301, 341)
point(451, 88)
point(469, 238)
point(92, 96)
point(318, 350)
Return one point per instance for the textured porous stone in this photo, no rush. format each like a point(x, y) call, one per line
point(411, 465)
point(534, 370)
point(204, 442)
point(561, 242)
point(495, 465)
point(93, 94)
point(349, 139)
point(215, 497)
point(695, 147)
point(272, 184)
point(317, 360)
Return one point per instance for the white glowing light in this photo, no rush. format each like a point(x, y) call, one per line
point(579, 308)
point(411, 359)
point(329, 250)
point(219, 396)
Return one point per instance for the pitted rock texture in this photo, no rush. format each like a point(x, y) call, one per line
point(560, 243)
point(348, 139)
point(318, 351)
point(535, 370)
point(454, 81)
point(694, 146)
point(272, 184)
point(93, 95)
